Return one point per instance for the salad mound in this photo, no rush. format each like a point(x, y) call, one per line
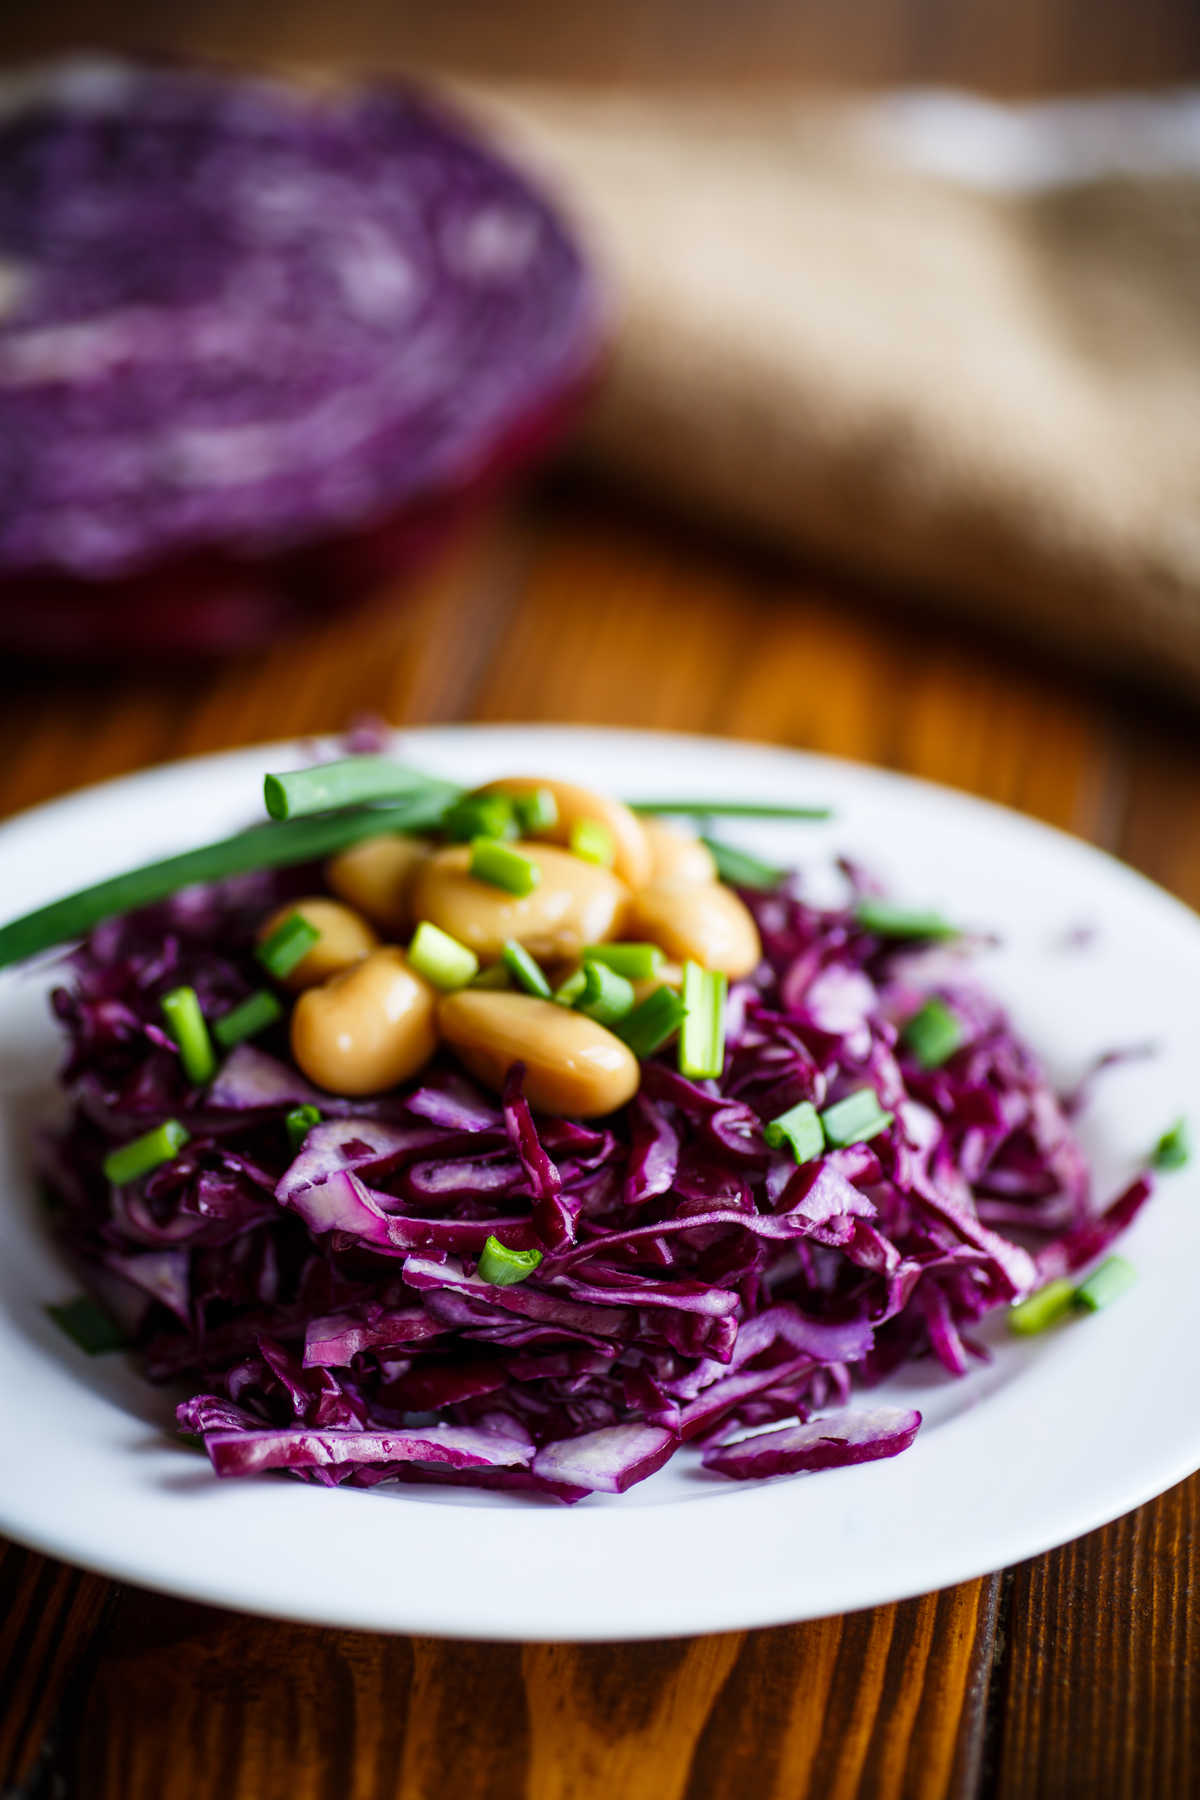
point(440, 1282)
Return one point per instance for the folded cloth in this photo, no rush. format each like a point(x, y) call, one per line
point(953, 346)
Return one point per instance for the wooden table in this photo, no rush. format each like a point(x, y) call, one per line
point(1077, 1673)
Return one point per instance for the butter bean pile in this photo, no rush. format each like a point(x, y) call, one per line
point(365, 1019)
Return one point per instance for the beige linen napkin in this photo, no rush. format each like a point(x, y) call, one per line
point(954, 347)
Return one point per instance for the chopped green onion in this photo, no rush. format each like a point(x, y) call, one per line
point(1113, 1278)
point(606, 996)
point(572, 987)
point(494, 977)
point(503, 1267)
point(652, 1022)
point(440, 958)
point(731, 809)
point(480, 815)
point(181, 1008)
point(88, 1325)
point(593, 842)
point(1174, 1147)
point(933, 1034)
point(535, 812)
point(702, 1037)
point(740, 869)
point(298, 1123)
point(800, 1128)
point(247, 1020)
point(1043, 1308)
point(503, 867)
point(636, 962)
point(144, 1153)
point(888, 920)
point(261, 847)
point(287, 946)
point(525, 970)
point(855, 1119)
point(355, 780)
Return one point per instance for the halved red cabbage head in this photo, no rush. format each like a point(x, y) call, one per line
point(258, 342)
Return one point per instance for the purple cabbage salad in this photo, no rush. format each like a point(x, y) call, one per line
point(323, 1307)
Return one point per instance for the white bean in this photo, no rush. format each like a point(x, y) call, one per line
point(694, 922)
point(345, 939)
point(376, 876)
point(575, 903)
point(572, 1065)
point(677, 854)
point(631, 854)
point(368, 1028)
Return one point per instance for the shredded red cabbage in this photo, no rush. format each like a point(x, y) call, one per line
point(325, 1308)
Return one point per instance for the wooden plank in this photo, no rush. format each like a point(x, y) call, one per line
point(189, 1701)
point(1015, 46)
point(48, 1615)
point(415, 653)
point(871, 1704)
point(879, 1703)
point(1101, 1682)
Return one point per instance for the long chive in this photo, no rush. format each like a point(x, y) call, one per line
point(503, 1267)
point(480, 815)
point(606, 997)
point(298, 1122)
point(253, 1015)
point(440, 958)
point(88, 1326)
point(1105, 1284)
point(592, 841)
point(287, 946)
point(261, 847)
point(933, 1033)
point(740, 869)
point(886, 919)
point(855, 1119)
point(1174, 1147)
point(1043, 1308)
point(731, 809)
point(503, 867)
point(185, 1020)
point(702, 1037)
point(526, 971)
point(636, 962)
point(800, 1129)
point(354, 781)
point(653, 1022)
point(142, 1154)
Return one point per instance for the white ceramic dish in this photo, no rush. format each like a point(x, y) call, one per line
point(1056, 1436)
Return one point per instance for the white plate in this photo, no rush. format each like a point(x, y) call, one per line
point(1058, 1435)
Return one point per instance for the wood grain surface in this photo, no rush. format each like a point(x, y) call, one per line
point(1077, 1673)
point(1003, 46)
